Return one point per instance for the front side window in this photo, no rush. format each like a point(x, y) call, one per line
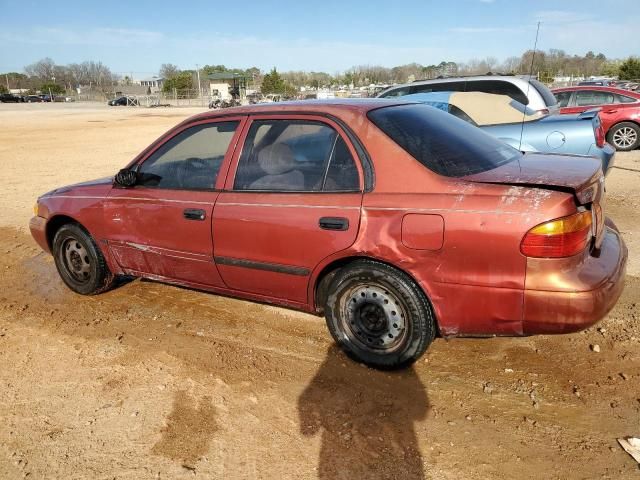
point(593, 97)
point(295, 155)
point(563, 98)
point(189, 161)
point(441, 142)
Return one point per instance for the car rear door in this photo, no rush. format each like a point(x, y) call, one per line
point(162, 226)
point(292, 198)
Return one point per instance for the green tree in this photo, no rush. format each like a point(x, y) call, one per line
point(54, 88)
point(630, 69)
point(3, 89)
point(273, 83)
point(182, 81)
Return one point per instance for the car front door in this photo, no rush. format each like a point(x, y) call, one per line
point(162, 226)
point(292, 198)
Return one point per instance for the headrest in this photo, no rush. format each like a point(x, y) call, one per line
point(276, 159)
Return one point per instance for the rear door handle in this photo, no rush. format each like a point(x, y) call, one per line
point(194, 214)
point(334, 223)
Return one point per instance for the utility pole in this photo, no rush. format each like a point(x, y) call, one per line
point(7, 79)
point(199, 87)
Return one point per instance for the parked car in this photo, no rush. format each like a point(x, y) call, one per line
point(32, 99)
point(619, 111)
point(9, 98)
point(396, 220)
point(528, 91)
point(123, 101)
point(525, 129)
point(597, 83)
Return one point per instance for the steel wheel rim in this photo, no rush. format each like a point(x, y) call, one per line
point(625, 137)
point(76, 260)
point(374, 318)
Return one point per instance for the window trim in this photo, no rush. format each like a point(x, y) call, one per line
point(328, 121)
point(177, 130)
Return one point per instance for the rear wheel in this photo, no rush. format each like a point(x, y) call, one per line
point(378, 315)
point(80, 262)
point(624, 136)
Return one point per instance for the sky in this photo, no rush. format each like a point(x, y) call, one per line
point(135, 37)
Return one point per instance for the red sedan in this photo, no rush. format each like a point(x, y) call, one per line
point(619, 114)
point(398, 221)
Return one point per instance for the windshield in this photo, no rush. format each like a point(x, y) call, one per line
point(441, 142)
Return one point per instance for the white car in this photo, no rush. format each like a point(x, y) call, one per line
point(528, 91)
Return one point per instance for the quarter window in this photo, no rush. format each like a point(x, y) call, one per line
point(189, 161)
point(295, 155)
point(625, 99)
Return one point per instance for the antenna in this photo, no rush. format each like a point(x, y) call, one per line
point(524, 113)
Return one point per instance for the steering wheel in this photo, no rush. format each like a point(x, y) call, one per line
point(192, 167)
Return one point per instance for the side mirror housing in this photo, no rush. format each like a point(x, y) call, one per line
point(126, 178)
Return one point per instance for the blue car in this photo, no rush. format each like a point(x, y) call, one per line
point(523, 128)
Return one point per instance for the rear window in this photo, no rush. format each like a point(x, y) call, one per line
point(545, 93)
point(441, 142)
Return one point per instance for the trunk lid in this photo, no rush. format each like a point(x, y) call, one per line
point(580, 175)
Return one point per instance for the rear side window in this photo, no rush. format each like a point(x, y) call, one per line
point(441, 142)
point(498, 87)
point(545, 93)
point(295, 155)
point(593, 97)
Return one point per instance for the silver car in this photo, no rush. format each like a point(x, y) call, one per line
point(527, 91)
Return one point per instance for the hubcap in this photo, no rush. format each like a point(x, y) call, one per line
point(625, 137)
point(375, 317)
point(76, 260)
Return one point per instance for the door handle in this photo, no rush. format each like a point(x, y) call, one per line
point(334, 223)
point(194, 214)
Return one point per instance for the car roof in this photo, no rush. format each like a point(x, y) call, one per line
point(576, 88)
point(304, 106)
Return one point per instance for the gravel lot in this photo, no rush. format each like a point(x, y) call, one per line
point(152, 381)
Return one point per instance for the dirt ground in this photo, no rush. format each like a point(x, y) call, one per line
point(152, 381)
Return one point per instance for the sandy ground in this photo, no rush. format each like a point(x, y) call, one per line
point(151, 381)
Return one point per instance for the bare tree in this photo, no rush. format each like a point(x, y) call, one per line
point(169, 71)
point(43, 69)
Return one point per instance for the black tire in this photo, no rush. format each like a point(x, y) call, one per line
point(378, 315)
point(80, 262)
point(624, 136)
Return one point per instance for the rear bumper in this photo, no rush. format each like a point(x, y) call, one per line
point(606, 155)
point(38, 227)
point(563, 298)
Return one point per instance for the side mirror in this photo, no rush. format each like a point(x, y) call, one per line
point(126, 178)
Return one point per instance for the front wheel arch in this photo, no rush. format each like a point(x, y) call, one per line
point(55, 223)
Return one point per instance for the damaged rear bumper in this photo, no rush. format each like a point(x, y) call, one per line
point(568, 295)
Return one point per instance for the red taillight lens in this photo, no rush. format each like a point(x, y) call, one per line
point(600, 136)
point(558, 238)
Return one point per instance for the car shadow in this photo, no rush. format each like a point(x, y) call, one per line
point(365, 419)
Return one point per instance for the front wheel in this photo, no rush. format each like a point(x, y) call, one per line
point(378, 315)
point(80, 262)
point(625, 136)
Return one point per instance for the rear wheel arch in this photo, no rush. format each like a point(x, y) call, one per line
point(329, 271)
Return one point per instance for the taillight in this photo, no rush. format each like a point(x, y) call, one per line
point(600, 136)
point(562, 237)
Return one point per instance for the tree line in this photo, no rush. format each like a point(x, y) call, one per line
point(46, 75)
